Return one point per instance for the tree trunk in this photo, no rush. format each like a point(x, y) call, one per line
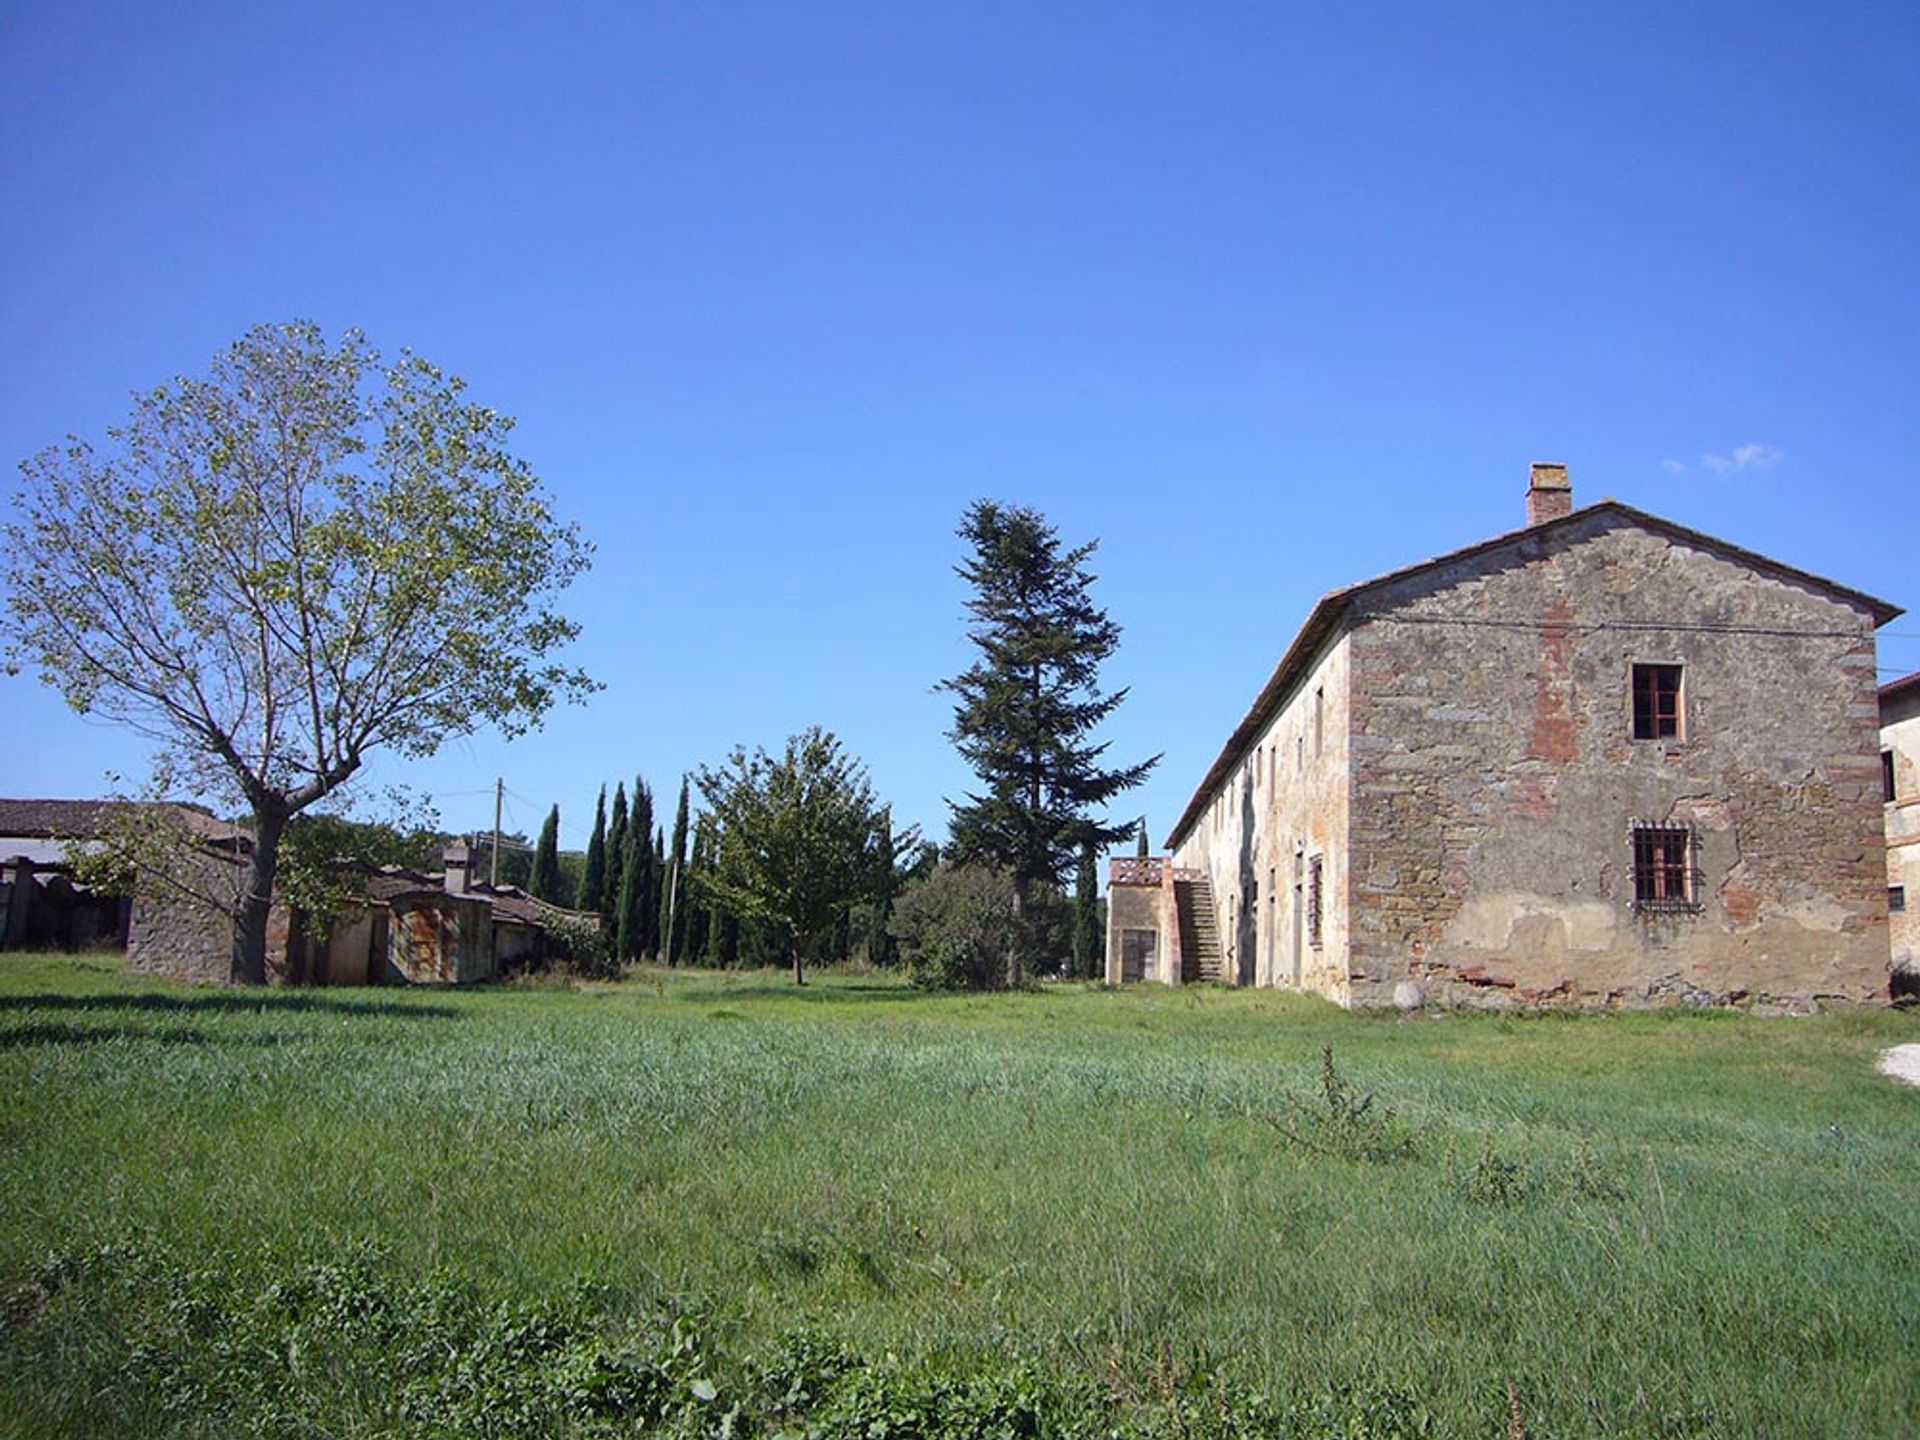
point(249, 965)
point(793, 939)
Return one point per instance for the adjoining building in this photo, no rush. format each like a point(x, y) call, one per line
point(1602, 759)
point(1900, 792)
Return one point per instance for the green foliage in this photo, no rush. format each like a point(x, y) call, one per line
point(794, 836)
point(593, 882)
point(275, 571)
point(1028, 705)
point(955, 926)
point(543, 882)
point(636, 870)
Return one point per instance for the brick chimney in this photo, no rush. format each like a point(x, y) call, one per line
point(454, 859)
point(1549, 492)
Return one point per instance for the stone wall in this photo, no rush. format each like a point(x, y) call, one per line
point(1900, 737)
point(1283, 808)
point(1496, 776)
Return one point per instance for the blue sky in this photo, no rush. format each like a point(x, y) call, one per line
point(1267, 298)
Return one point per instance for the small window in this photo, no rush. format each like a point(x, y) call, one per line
point(1663, 878)
point(1896, 897)
point(1656, 702)
point(1886, 776)
point(1314, 901)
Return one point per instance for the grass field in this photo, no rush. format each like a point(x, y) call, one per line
point(697, 1203)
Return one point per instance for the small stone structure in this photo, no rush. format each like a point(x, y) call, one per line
point(1602, 759)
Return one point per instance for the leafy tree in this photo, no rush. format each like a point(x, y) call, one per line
point(794, 837)
point(277, 570)
point(593, 881)
point(1086, 914)
point(1027, 708)
point(673, 896)
point(544, 881)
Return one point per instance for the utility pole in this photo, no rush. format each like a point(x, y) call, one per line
point(499, 790)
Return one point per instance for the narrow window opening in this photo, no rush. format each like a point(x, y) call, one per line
point(1314, 901)
point(1656, 702)
point(1886, 777)
point(1896, 897)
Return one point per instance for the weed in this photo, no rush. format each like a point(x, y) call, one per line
point(1344, 1122)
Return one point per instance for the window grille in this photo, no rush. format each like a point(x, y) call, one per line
point(1666, 880)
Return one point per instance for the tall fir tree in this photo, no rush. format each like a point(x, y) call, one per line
point(1027, 708)
point(1086, 914)
point(673, 897)
point(543, 883)
point(656, 942)
point(593, 881)
point(609, 905)
point(1140, 834)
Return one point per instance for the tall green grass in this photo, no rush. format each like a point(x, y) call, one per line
point(1131, 1209)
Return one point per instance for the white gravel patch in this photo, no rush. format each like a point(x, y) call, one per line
point(1902, 1062)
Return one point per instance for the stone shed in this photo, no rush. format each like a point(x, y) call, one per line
point(1602, 759)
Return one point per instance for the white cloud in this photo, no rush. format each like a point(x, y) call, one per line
point(1751, 456)
point(1674, 467)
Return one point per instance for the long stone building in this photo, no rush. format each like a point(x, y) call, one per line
point(1602, 759)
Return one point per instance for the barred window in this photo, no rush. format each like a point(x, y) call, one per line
point(1663, 874)
point(1314, 898)
point(1896, 897)
point(1656, 702)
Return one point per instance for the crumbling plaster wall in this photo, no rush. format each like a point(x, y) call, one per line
point(1495, 777)
point(1284, 805)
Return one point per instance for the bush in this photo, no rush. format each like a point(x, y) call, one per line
point(955, 927)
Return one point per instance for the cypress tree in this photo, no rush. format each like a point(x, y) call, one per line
point(616, 853)
point(673, 899)
point(593, 883)
point(1086, 914)
point(1141, 832)
point(628, 907)
point(640, 824)
point(544, 881)
point(880, 943)
point(656, 942)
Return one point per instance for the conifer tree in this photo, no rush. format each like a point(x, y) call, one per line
point(657, 884)
point(673, 897)
point(1086, 915)
point(636, 860)
point(593, 883)
point(886, 881)
point(640, 824)
point(616, 853)
point(1141, 832)
point(544, 881)
point(1027, 708)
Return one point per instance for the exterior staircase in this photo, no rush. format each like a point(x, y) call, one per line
point(1199, 931)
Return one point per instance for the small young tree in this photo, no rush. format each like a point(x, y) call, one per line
point(593, 882)
point(280, 569)
point(543, 882)
point(795, 834)
point(1027, 708)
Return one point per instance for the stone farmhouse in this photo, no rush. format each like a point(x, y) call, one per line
point(1900, 790)
point(1602, 759)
